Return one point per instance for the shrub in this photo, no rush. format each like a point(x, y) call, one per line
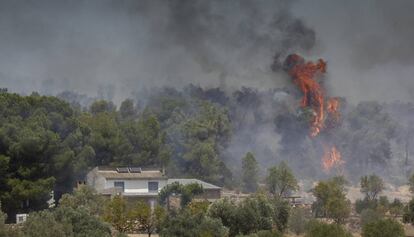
point(363, 204)
point(299, 218)
point(408, 216)
point(369, 215)
point(44, 224)
point(383, 228)
point(319, 229)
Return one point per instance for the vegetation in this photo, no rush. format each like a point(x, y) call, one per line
point(251, 215)
point(408, 216)
point(370, 215)
point(298, 220)
point(331, 201)
point(46, 144)
point(249, 173)
point(371, 186)
point(383, 228)
point(280, 180)
point(143, 219)
point(186, 192)
point(184, 224)
point(65, 222)
point(320, 229)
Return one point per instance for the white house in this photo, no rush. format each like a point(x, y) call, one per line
point(137, 183)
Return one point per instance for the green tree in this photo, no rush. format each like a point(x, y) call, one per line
point(127, 109)
point(249, 173)
point(81, 222)
point(116, 213)
point(86, 197)
point(331, 201)
point(226, 211)
point(371, 186)
point(187, 192)
point(280, 180)
point(281, 213)
point(383, 228)
point(144, 219)
point(148, 143)
point(44, 224)
point(183, 224)
point(37, 150)
point(255, 214)
point(101, 106)
point(363, 204)
point(320, 229)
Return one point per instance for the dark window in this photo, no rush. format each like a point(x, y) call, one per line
point(120, 185)
point(152, 187)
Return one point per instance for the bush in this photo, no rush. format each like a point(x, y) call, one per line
point(44, 224)
point(299, 218)
point(408, 216)
point(183, 224)
point(65, 222)
point(6, 231)
point(363, 204)
point(369, 216)
point(82, 223)
point(383, 228)
point(319, 229)
point(396, 208)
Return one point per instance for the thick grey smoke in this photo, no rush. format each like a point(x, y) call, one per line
point(368, 46)
point(56, 45)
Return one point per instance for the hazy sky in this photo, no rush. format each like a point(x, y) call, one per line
point(56, 45)
point(368, 45)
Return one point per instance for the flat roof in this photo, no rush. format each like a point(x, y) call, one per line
point(190, 181)
point(144, 174)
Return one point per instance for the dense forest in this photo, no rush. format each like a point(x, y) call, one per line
point(47, 143)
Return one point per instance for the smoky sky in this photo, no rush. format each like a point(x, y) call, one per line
point(368, 45)
point(84, 45)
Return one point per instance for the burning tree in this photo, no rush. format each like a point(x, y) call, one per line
point(324, 111)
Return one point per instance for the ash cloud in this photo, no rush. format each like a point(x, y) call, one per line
point(52, 46)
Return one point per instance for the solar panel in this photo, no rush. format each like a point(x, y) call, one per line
point(135, 169)
point(122, 170)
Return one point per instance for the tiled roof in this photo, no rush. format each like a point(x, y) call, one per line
point(190, 181)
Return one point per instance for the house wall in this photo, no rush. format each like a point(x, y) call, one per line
point(95, 180)
point(136, 186)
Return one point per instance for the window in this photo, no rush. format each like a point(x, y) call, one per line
point(119, 185)
point(153, 187)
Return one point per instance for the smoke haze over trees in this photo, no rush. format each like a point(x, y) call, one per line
point(200, 88)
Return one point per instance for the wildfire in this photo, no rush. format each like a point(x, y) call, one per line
point(304, 74)
point(331, 158)
point(333, 109)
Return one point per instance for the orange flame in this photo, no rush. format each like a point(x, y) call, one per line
point(331, 158)
point(333, 109)
point(303, 74)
